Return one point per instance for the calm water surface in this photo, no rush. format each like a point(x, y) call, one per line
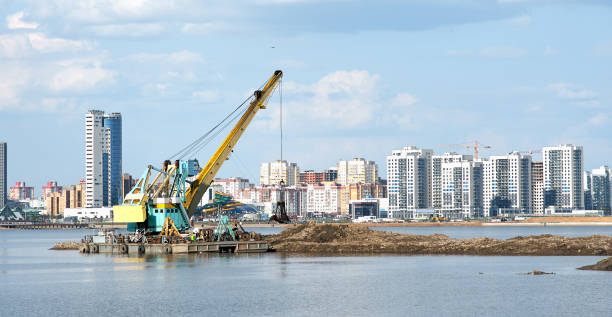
point(40, 282)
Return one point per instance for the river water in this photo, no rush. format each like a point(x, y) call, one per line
point(36, 281)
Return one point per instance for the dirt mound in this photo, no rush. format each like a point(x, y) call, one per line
point(603, 265)
point(69, 245)
point(312, 238)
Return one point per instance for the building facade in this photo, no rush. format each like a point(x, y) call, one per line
point(3, 174)
point(103, 162)
point(311, 177)
point(50, 188)
point(600, 188)
point(563, 177)
point(274, 172)
point(507, 184)
point(357, 170)
point(323, 199)
point(20, 191)
point(537, 187)
point(408, 181)
point(462, 189)
point(233, 185)
point(436, 174)
point(69, 197)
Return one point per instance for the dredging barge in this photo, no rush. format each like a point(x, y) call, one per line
point(158, 209)
point(201, 241)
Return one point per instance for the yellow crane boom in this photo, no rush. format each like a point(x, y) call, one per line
point(206, 176)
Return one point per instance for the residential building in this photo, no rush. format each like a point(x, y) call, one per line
point(20, 191)
point(436, 174)
point(357, 170)
point(69, 197)
point(408, 181)
point(323, 199)
point(507, 184)
point(330, 174)
point(103, 162)
point(311, 177)
point(359, 191)
point(50, 188)
point(275, 172)
point(537, 187)
point(232, 185)
point(600, 189)
point(462, 189)
point(588, 193)
point(3, 175)
point(127, 183)
point(563, 176)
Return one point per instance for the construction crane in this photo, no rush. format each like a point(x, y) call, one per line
point(167, 201)
point(476, 146)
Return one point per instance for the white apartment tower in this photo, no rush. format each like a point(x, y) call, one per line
point(271, 174)
point(436, 174)
point(507, 184)
point(563, 176)
point(356, 171)
point(461, 183)
point(408, 181)
point(102, 158)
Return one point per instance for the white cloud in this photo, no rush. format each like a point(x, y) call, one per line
point(206, 95)
point(571, 91)
point(75, 76)
point(128, 29)
point(602, 49)
point(204, 28)
point(598, 119)
point(14, 21)
point(179, 57)
point(23, 45)
point(521, 21)
point(404, 99)
point(550, 51)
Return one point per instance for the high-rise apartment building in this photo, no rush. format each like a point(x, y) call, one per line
point(20, 191)
point(103, 170)
point(600, 179)
point(408, 181)
point(507, 184)
point(537, 187)
point(50, 188)
point(3, 172)
point(461, 189)
point(273, 173)
point(436, 174)
point(357, 170)
point(330, 174)
point(563, 176)
point(69, 197)
point(311, 177)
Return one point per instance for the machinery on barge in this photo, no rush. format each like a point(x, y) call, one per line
point(158, 209)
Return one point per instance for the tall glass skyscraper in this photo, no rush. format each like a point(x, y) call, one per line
point(2, 174)
point(102, 158)
point(113, 123)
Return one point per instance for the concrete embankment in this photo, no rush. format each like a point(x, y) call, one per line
point(343, 239)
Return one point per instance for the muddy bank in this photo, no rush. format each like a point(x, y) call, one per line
point(70, 245)
point(603, 265)
point(342, 239)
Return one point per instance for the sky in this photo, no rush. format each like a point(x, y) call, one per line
point(361, 78)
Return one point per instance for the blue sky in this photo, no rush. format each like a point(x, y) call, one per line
point(361, 78)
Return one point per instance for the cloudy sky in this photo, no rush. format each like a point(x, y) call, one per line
point(361, 78)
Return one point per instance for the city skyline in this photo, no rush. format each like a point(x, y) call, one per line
point(428, 76)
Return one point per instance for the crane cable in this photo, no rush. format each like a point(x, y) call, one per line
point(280, 90)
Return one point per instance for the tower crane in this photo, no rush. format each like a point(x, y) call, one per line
point(476, 147)
point(162, 196)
